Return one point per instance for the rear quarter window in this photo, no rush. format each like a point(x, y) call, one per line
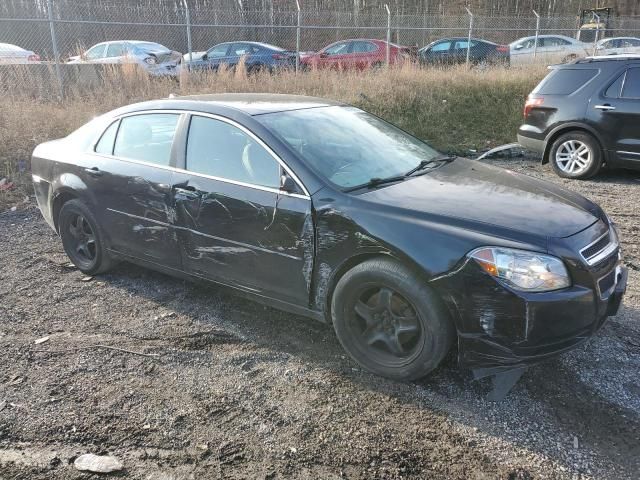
point(565, 81)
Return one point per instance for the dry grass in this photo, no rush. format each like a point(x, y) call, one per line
point(455, 109)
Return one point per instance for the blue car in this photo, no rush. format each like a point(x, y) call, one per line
point(257, 56)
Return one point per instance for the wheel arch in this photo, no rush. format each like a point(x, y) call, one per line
point(62, 196)
point(356, 260)
point(571, 127)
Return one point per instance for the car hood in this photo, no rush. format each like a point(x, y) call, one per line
point(471, 191)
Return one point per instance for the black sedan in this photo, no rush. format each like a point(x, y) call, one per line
point(454, 51)
point(256, 56)
point(324, 210)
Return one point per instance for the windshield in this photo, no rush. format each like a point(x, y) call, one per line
point(346, 145)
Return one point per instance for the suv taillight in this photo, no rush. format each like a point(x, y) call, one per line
point(530, 104)
point(502, 48)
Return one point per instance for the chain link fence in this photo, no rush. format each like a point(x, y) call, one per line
point(56, 31)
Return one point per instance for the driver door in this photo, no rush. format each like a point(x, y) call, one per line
point(236, 226)
point(335, 56)
point(217, 55)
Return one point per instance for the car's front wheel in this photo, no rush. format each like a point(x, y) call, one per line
point(576, 155)
point(82, 238)
point(389, 321)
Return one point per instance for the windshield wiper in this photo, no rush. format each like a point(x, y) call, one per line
point(425, 163)
point(374, 182)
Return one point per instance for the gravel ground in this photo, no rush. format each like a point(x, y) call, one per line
point(231, 389)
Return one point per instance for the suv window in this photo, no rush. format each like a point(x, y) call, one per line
point(631, 87)
point(105, 144)
point(614, 89)
point(222, 150)
point(564, 81)
point(147, 137)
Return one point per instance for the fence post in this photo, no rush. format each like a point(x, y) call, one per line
point(54, 44)
point(470, 31)
point(595, 40)
point(535, 45)
point(388, 52)
point(298, 39)
point(187, 17)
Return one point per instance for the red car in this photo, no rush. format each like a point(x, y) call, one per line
point(359, 53)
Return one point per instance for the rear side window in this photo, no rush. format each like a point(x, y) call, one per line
point(565, 81)
point(631, 87)
point(105, 144)
point(147, 137)
point(614, 89)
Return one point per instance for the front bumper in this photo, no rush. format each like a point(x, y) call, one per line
point(500, 329)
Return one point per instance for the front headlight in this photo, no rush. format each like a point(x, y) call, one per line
point(523, 270)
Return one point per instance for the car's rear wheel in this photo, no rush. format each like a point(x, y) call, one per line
point(576, 155)
point(82, 238)
point(389, 321)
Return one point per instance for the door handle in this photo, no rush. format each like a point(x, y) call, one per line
point(183, 186)
point(94, 171)
point(605, 107)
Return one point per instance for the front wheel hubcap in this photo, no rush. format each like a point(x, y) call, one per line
point(386, 324)
point(574, 157)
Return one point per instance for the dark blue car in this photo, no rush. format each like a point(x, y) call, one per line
point(257, 56)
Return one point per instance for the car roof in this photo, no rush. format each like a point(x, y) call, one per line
point(609, 58)
point(248, 103)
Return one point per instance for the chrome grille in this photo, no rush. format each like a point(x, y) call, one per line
point(600, 249)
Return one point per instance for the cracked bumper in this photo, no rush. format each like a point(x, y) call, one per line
point(500, 329)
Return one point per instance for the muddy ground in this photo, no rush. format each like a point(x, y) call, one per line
point(232, 389)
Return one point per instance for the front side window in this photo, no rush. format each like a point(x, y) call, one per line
point(631, 87)
point(441, 47)
point(95, 52)
point(346, 145)
point(222, 150)
point(147, 137)
point(337, 49)
point(218, 51)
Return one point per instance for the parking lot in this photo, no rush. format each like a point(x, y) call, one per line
point(199, 383)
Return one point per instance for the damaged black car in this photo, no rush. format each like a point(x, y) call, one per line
point(322, 209)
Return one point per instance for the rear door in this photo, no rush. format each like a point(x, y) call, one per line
point(238, 51)
point(364, 54)
point(236, 226)
point(615, 111)
point(129, 173)
point(116, 53)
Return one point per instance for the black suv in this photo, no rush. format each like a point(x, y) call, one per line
point(586, 114)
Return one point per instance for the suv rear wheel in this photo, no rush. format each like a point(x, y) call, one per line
point(576, 155)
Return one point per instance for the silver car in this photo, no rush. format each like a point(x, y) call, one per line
point(156, 59)
point(12, 54)
point(551, 49)
point(618, 45)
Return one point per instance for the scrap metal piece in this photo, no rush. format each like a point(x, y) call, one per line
point(501, 148)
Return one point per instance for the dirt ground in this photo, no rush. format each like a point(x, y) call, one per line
point(232, 389)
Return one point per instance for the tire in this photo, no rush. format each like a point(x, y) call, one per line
point(83, 239)
point(576, 155)
point(401, 330)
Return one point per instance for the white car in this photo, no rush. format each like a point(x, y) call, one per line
point(551, 49)
point(12, 54)
point(618, 45)
point(156, 59)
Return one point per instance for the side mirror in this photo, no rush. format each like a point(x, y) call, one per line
point(518, 47)
point(205, 57)
point(288, 184)
point(323, 55)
